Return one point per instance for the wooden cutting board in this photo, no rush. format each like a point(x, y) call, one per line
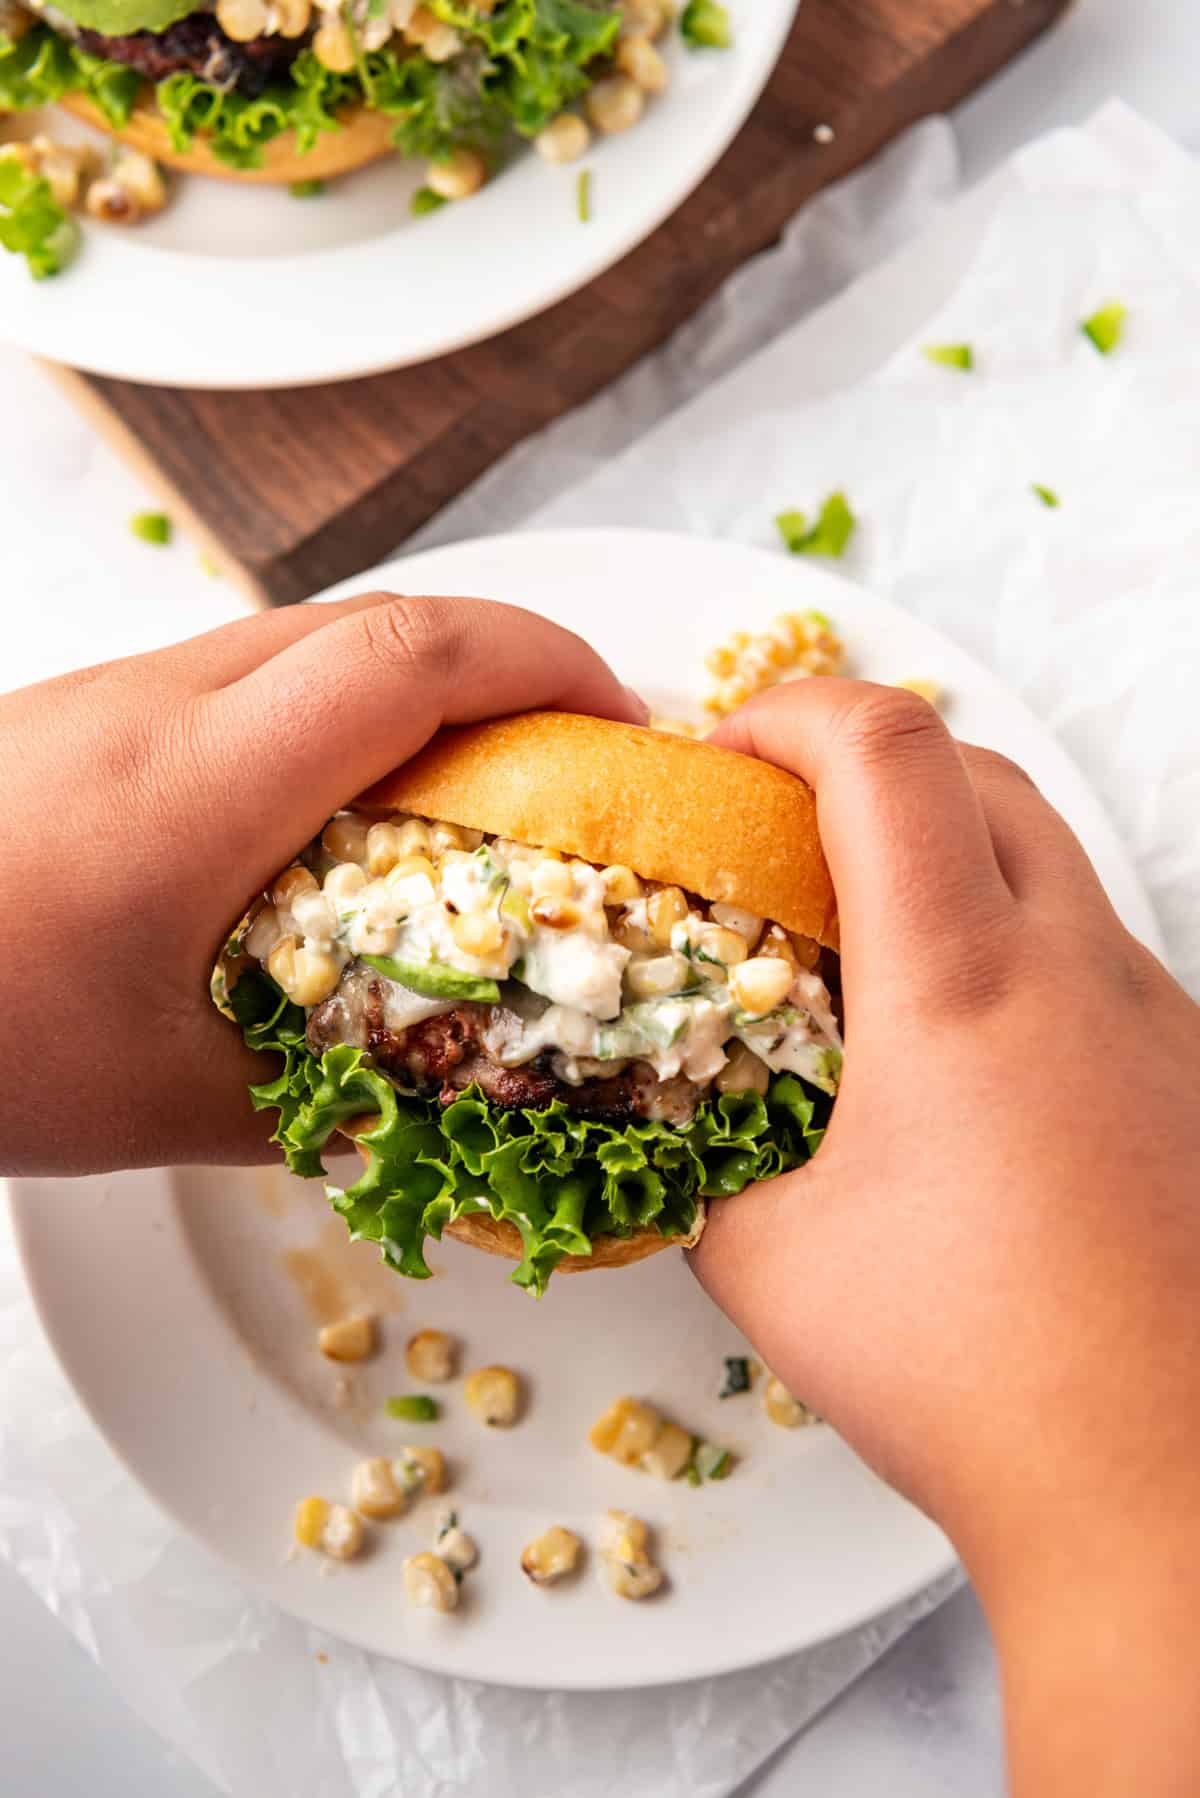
point(294, 489)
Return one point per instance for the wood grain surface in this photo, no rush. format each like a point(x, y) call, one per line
point(295, 488)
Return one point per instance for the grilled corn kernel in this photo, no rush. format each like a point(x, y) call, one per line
point(929, 690)
point(621, 885)
point(61, 166)
point(350, 1339)
point(720, 661)
point(626, 1430)
point(263, 934)
point(747, 923)
point(669, 1453)
point(281, 963)
point(782, 1408)
point(429, 1583)
point(551, 879)
point(614, 104)
point(456, 176)
point(310, 1521)
point(664, 910)
point(141, 176)
point(341, 1535)
point(345, 837)
point(315, 915)
point(242, 19)
point(625, 1557)
point(632, 936)
point(421, 1470)
point(761, 983)
point(644, 18)
point(374, 1490)
point(650, 977)
point(637, 58)
point(292, 17)
point(333, 46)
point(383, 849)
point(439, 41)
point(313, 974)
point(478, 933)
point(415, 838)
point(555, 914)
point(344, 882)
point(564, 139)
point(623, 1535)
point(743, 1072)
point(494, 1394)
point(454, 836)
point(777, 942)
point(725, 946)
point(107, 199)
point(453, 1545)
point(411, 865)
point(291, 883)
point(632, 1579)
point(430, 1355)
point(551, 1556)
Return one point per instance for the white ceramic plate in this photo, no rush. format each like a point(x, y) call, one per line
point(169, 1298)
point(247, 287)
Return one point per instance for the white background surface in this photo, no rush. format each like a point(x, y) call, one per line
point(927, 1719)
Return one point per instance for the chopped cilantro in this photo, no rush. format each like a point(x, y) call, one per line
point(412, 1407)
point(951, 355)
point(151, 527)
point(704, 25)
point(737, 1376)
point(306, 190)
point(583, 195)
point(828, 537)
point(1106, 327)
point(1047, 495)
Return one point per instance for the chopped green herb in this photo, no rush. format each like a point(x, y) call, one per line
point(425, 200)
point(151, 527)
point(209, 567)
point(435, 979)
point(32, 223)
point(828, 537)
point(413, 1407)
point(737, 1376)
point(1106, 327)
point(583, 195)
point(711, 1462)
point(1047, 495)
point(306, 190)
point(951, 355)
point(692, 1474)
point(704, 25)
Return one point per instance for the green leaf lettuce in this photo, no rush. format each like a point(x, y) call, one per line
point(560, 1179)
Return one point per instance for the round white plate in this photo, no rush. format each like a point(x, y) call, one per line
point(235, 286)
point(170, 1300)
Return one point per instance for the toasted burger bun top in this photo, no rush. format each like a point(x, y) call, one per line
point(362, 137)
point(726, 826)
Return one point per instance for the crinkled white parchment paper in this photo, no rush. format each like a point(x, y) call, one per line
point(1090, 611)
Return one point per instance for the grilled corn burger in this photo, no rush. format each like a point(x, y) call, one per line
point(289, 90)
point(563, 979)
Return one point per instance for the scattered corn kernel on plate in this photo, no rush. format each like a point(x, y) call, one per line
point(430, 1469)
point(250, 286)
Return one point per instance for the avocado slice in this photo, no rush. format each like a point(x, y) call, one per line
point(118, 18)
point(434, 980)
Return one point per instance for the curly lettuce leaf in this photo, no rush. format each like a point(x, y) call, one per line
point(41, 67)
point(32, 223)
point(236, 128)
point(561, 1180)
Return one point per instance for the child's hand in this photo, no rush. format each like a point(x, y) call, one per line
point(989, 1278)
point(147, 800)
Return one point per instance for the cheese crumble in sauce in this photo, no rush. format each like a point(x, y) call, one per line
point(589, 969)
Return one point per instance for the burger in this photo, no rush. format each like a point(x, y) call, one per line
point(295, 90)
point(563, 980)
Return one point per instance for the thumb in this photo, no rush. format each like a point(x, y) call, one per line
point(308, 729)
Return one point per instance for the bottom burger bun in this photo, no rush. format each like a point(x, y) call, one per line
point(496, 1236)
point(363, 136)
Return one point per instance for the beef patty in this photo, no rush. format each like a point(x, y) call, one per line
point(444, 1055)
point(198, 44)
